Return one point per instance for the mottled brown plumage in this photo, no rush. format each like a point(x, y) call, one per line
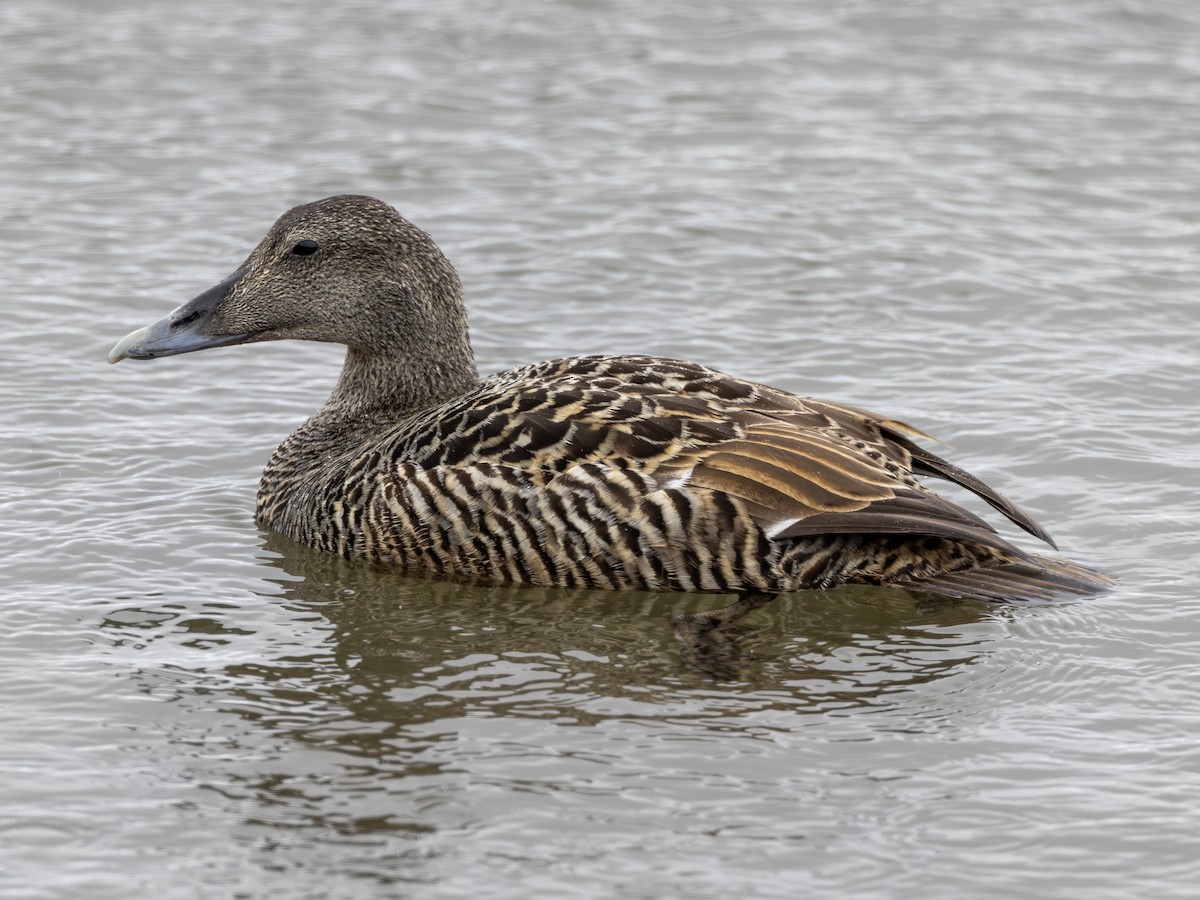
point(627, 472)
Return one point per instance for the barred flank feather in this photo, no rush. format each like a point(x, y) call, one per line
point(646, 473)
point(622, 472)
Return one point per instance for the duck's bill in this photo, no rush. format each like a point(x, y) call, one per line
point(189, 328)
point(164, 339)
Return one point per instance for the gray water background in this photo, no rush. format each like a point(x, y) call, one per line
point(980, 217)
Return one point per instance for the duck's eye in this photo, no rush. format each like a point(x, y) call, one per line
point(306, 248)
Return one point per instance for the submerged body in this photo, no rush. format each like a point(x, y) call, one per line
point(610, 472)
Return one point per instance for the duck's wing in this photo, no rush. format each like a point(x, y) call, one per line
point(811, 466)
point(894, 440)
point(800, 466)
point(798, 477)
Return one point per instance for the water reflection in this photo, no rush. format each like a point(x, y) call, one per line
point(365, 706)
point(437, 637)
point(381, 647)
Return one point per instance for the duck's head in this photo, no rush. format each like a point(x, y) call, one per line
point(347, 270)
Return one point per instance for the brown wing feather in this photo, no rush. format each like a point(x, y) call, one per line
point(809, 467)
point(910, 513)
point(800, 466)
point(926, 463)
point(792, 473)
point(892, 439)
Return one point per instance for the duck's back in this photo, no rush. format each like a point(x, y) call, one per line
point(644, 473)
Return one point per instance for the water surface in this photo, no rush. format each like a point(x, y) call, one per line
point(978, 217)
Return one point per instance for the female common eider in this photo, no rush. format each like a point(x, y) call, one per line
point(617, 472)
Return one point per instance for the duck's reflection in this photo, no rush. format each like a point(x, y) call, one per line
point(375, 704)
point(388, 623)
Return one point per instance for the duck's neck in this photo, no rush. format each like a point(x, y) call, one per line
point(306, 475)
point(378, 388)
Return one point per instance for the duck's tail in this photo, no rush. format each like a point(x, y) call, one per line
point(1040, 579)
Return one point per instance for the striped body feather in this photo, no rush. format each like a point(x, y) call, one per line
point(632, 473)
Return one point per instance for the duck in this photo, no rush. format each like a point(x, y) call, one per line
point(614, 472)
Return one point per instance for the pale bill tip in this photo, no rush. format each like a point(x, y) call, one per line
point(121, 350)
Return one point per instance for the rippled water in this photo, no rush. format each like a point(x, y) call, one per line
point(979, 217)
